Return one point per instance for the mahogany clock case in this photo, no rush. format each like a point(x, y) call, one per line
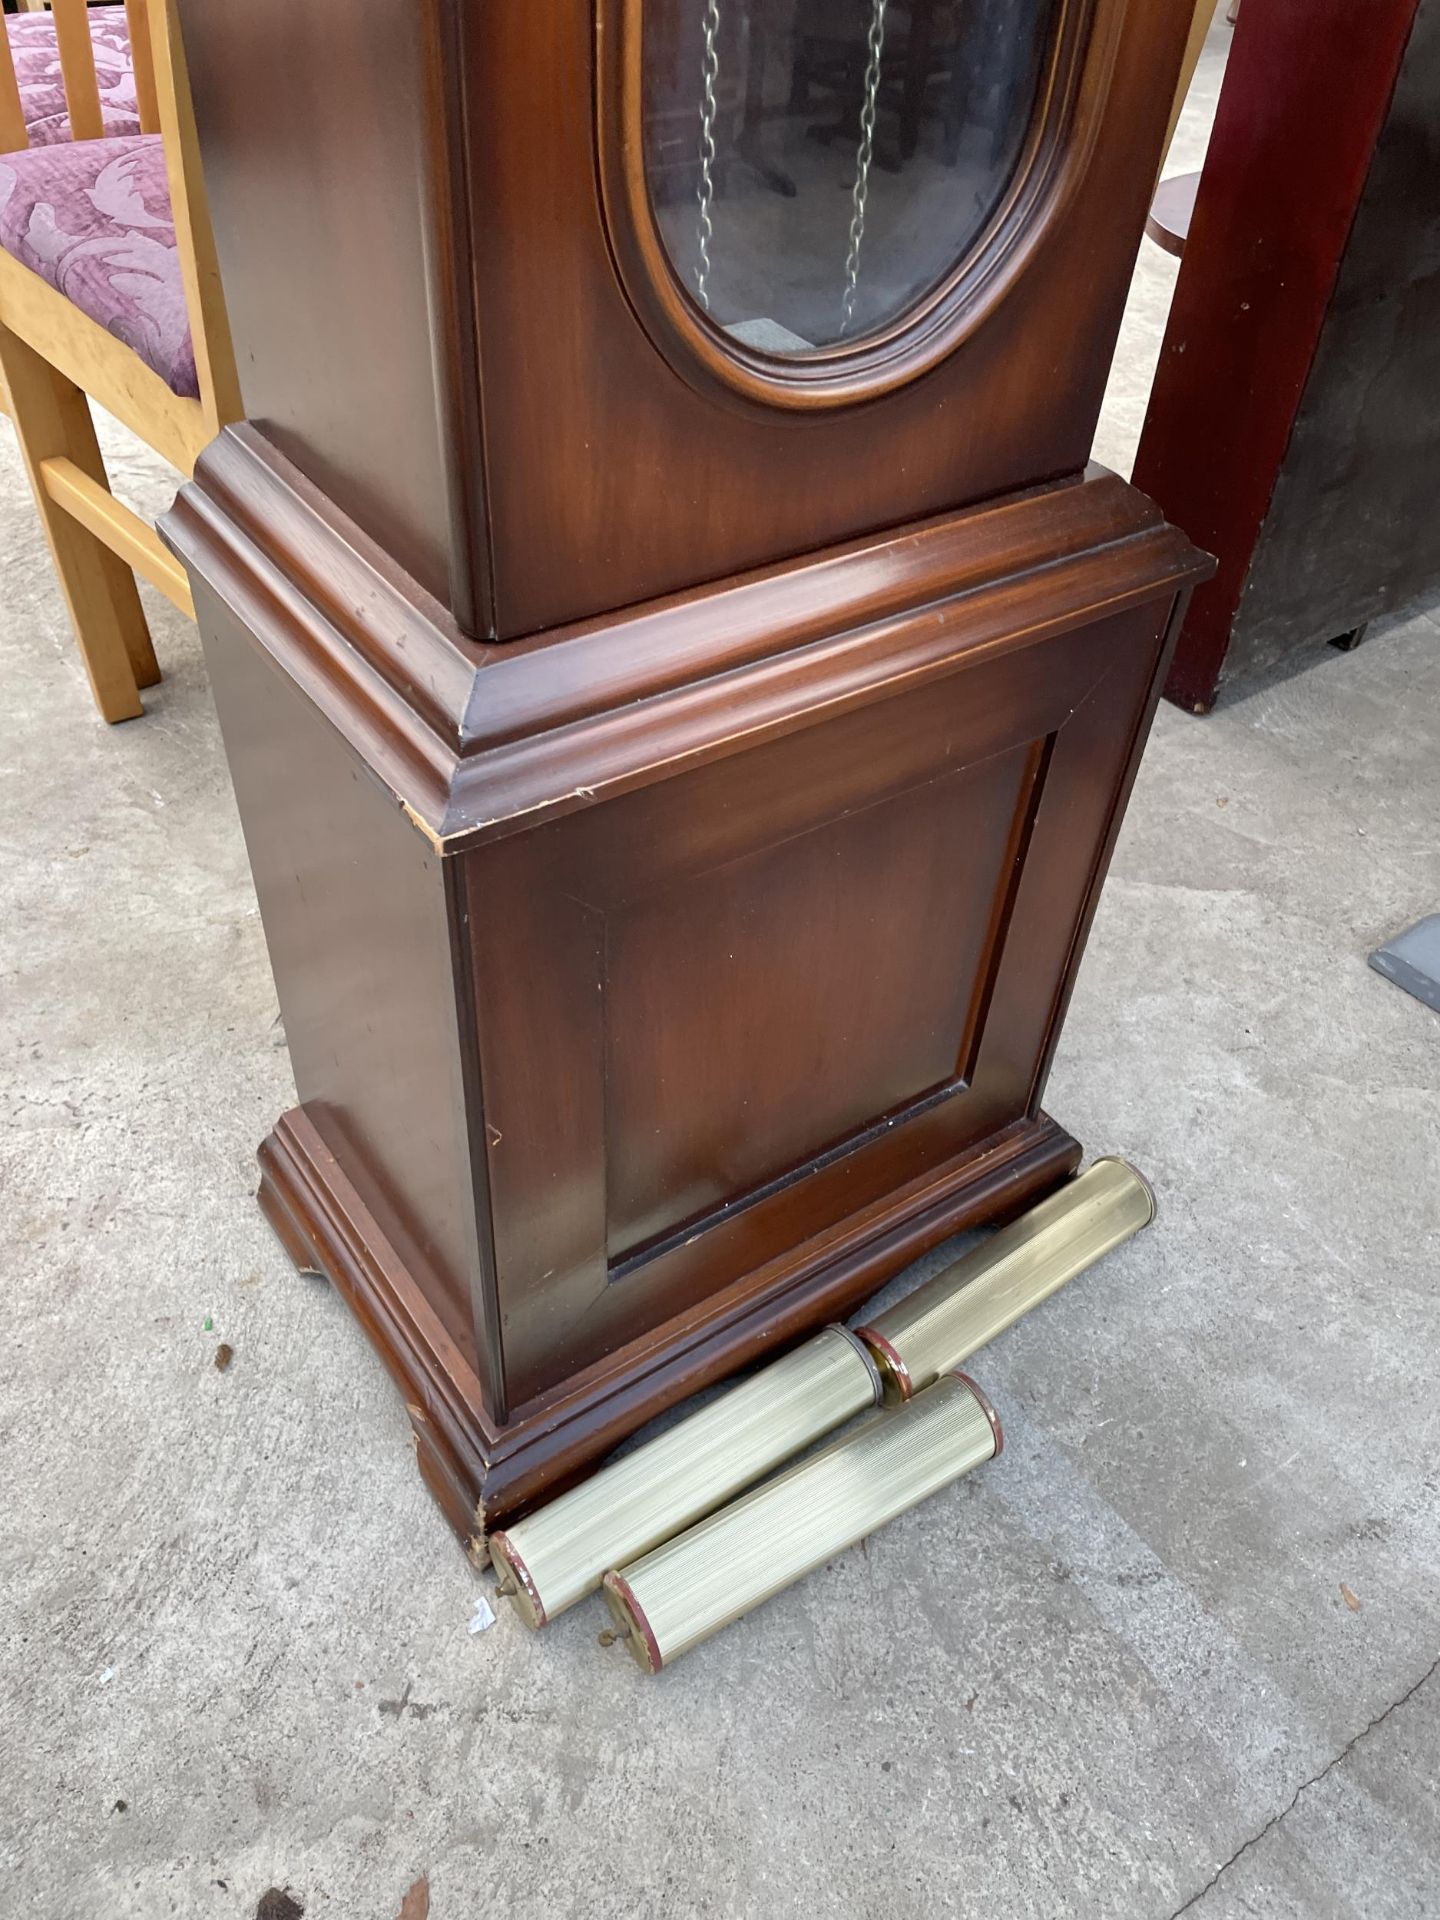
point(661, 979)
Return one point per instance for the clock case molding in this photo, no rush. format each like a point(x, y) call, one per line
point(661, 979)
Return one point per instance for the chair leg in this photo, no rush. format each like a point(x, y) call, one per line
point(52, 419)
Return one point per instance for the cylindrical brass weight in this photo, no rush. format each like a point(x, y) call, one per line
point(693, 1586)
point(556, 1556)
point(939, 1326)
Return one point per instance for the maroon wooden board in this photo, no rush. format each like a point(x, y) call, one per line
point(1306, 93)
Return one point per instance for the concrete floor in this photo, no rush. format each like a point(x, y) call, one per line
point(1117, 1673)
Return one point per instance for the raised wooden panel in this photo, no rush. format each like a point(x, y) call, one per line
point(779, 986)
point(804, 1018)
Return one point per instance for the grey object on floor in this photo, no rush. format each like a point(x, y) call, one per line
point(1412, 960)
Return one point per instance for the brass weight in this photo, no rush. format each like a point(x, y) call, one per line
point(696, 1584)
point(937, 1327)
point(556, 1556)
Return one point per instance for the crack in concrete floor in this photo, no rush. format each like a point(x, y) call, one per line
point(1255, 1839)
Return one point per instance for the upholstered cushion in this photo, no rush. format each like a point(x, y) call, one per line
point(42, 90)
point(93, 218)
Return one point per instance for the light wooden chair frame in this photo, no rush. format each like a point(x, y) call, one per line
point(55, 359)
point(1201, 22)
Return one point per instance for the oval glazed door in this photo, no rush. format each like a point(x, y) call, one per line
point(813, 202)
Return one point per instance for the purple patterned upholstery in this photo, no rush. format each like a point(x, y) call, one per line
point(42, 91)
point(93, 218)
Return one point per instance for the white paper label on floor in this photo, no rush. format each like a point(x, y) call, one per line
point(483, 1617)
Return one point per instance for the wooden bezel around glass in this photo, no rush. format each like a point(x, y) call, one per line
point(1070, 101)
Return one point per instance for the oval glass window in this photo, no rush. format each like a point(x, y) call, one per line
point(817, 167)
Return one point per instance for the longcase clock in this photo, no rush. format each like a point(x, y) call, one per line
point(680, 675)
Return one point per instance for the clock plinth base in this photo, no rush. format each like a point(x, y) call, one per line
point(657, 989)
point(481, 1474)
